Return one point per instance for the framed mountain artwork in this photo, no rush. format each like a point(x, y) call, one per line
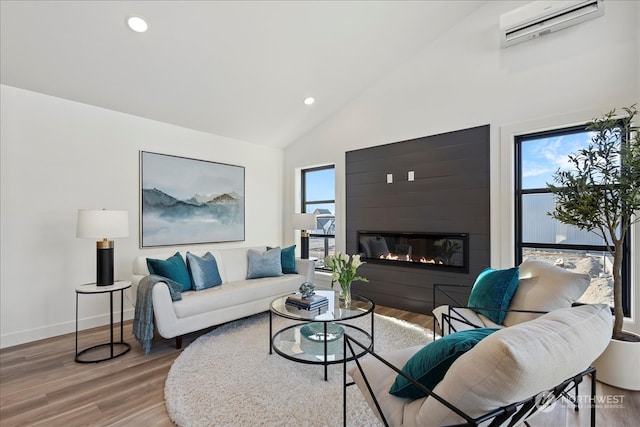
point(186, 201)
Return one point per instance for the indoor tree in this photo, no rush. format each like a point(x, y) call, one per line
point(601, 191)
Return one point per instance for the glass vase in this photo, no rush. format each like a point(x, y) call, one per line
point(344, 298)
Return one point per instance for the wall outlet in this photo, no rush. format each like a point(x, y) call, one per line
point(410, 176)
point(389, 178)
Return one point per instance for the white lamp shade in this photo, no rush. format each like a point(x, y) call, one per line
point(304, 221)
point(101, 224)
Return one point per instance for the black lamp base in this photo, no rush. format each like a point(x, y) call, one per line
point(104, 263)
point(304, 245)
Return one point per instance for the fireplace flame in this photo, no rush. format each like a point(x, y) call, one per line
point(423, 260)
point(430, 261)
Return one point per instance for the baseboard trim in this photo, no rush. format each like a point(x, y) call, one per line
point(49, 331)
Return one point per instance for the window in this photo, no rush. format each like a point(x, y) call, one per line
point(318, 197)
point(539, 236)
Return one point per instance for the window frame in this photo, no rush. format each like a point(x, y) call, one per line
point(304, 202)
point(518, 214)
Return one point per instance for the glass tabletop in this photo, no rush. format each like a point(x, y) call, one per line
point(359, 306)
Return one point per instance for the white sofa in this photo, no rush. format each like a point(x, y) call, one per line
point(237, 297)
point(509, 366)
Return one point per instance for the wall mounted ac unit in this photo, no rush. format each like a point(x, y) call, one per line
point(543, 17)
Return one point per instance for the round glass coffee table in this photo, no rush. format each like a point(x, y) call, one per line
point(317, 338)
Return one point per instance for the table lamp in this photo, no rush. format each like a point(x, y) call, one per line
point(103, 224)
point(304, 222)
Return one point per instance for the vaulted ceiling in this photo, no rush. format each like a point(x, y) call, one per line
point(239, 69)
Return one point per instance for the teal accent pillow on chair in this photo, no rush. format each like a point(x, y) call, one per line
point(172, 268)
point(493, 290)
point(429, 365)
point(203, 271)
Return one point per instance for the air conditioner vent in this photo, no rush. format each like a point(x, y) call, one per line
point(544, 17)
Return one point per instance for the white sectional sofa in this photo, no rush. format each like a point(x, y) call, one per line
point(235, 298)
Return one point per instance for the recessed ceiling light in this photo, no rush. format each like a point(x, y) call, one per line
point(310, 100)
point(137, 24)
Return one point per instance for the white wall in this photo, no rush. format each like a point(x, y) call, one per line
point(58, 156)
point(465, 79)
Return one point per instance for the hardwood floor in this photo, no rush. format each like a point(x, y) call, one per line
point(42, 385)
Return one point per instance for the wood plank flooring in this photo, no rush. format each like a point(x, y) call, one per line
point(42, 385)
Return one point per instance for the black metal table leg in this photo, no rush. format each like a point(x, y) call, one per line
point(76, 324)
point(325, 350)
point(270, 332)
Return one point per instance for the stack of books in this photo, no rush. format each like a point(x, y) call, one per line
point(312, 303)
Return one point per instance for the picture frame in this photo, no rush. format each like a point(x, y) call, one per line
point(190, 201)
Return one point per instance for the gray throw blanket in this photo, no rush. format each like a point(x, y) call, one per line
point(143, 319)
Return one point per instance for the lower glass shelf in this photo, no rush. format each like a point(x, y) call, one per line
point(305, 342)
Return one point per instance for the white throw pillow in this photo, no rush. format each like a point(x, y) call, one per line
point(544, 287)
point(520, 361)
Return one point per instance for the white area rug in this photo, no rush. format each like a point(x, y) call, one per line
point(228, 378)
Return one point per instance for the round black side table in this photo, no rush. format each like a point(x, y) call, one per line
point(117, 348)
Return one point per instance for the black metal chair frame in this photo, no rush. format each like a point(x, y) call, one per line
point(453, 314)
point(514, 413)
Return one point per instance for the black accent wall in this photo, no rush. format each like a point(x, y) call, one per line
point(449, 194)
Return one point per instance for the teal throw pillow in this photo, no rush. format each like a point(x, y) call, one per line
point(429, 365)
point(172, 268)
point(203, 271)
point(493, 290)
point(288, 259)
point(264, 264)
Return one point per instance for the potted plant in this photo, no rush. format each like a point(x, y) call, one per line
point(601, 193)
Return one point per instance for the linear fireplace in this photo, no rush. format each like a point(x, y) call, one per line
point(441, 251)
